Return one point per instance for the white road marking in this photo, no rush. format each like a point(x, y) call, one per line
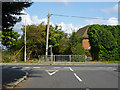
point(56, 67)
point(66, 67)
point(36, 67)
point(51, 73)
point(71, 69)
point(14, 67)
point(26, 67)
point(78, 77)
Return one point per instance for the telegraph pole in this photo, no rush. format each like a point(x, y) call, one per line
point(47, 35)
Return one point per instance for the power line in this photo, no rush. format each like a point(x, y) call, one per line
point(80, 17)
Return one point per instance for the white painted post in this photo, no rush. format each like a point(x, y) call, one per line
point(25, 41)
point(70, 57)
point(54, 59)
point(85, 58)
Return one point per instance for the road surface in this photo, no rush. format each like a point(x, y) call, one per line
point(9, 75)
point(69, 76)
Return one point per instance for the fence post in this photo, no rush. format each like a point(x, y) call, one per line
point(85, 58)
point(54, 59)
point(70, 57)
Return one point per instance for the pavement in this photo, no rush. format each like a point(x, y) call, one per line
point(57, 63)
point(69, 76)
point(10, 76)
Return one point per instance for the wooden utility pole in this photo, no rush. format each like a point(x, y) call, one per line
point(47, 35)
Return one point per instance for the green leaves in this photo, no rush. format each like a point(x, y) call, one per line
point(9, 10)
point(104, 41)
point(76, 44)
point(36, 38)
point(71, 45)
point(1, 36)
point(9, 38)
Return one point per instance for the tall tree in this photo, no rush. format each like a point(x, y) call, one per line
point(75, 42)
point(36, 39)
point(9, 19)
point(9, 10)
point(104, 42)
point(64, 45)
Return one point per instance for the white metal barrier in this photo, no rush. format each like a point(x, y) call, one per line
point(61, 58)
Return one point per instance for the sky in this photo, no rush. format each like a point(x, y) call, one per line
point(38, 12)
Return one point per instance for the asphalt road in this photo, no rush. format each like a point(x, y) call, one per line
point(9, 75)
point(69, 76)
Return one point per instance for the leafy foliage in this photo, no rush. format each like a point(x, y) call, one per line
point(9, 19)
point(75, 43)
point(9, 10)
point(0, 36)
point(9, 38)
point(64, 45)
point(36, 39)
point(72, 45)
point(104, 42)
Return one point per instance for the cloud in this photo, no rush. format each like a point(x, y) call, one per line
point(110, 21)
point(26, 19)
point(68, 28)
point(114, 9)
point(37, 21)
point(64, 2)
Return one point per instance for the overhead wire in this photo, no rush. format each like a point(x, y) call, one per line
point(81, 17)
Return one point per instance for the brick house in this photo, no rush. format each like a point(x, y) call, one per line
point(83, 33)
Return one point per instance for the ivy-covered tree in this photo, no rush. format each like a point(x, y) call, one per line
point(104, 42)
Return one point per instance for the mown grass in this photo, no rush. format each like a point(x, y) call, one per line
point(104, 61)
point(111, 62)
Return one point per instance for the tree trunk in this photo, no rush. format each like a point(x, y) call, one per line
point(29, 54)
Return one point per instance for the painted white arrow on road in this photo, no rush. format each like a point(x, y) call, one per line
point(51, 72)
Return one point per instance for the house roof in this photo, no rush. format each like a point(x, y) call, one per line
point(83, 31)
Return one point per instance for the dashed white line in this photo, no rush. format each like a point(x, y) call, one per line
point(14, 67)
point(26, 67)
point(77, 77)
point(66, 67)
point(36, 67)
point(56, 67)
point(71, 69)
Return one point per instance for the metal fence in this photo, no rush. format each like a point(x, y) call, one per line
point(61, 58)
